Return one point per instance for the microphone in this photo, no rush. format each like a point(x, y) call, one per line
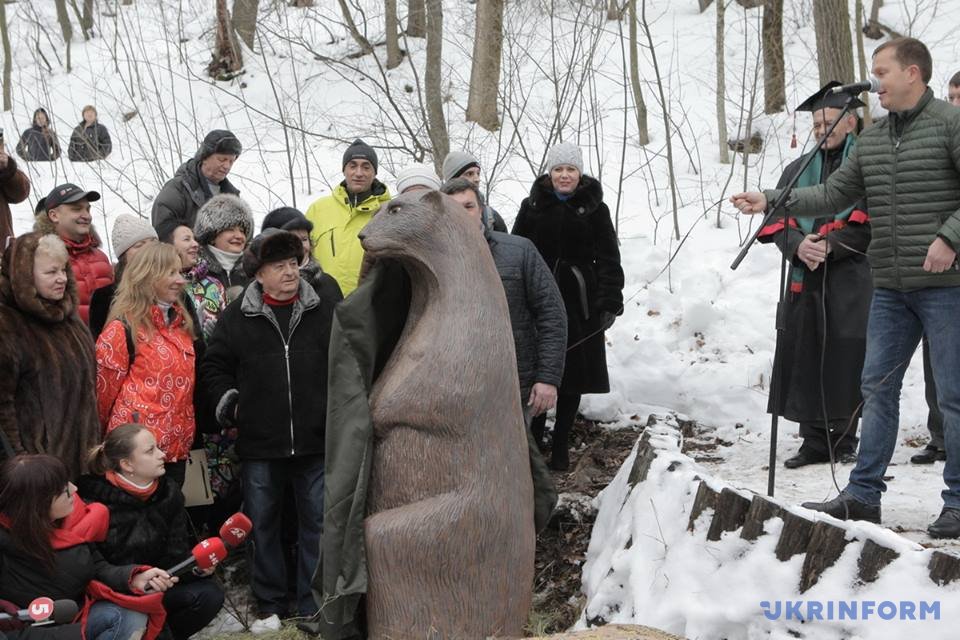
point(235, 529)
point(45, 610)
point(206, 554)
point(872, 85)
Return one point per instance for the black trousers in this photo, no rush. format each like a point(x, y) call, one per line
point(191, 606)
point(843, 437)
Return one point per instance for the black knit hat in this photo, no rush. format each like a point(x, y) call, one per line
point(360, 150)
point(287, 219)
point(219, 141)
point(166, 227)
point(272, 245)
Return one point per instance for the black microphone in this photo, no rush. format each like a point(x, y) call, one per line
point(45, 610)
point(872, 85)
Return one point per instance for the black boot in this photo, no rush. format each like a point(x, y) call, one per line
point(947, 525)
point(929, 455)
point(567, 406)
point(845, 507)
point(805, 457)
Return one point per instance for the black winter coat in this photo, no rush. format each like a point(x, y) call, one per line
point(22, 578)
point(88, 144)
point(324, 284)
point(38, 146)
point(154, 532)
point(577, 240)
point(182, 195)
point(537, 315)
point(273, 388)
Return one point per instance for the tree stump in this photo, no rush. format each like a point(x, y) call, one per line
point(873, 559)
point(826, 544)
point(641, 464)
point(944, 567)
point(706, 498)
point(761, 509)
point(794, 537)
point(729, 514)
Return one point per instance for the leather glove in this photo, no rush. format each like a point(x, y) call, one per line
point(607, 319)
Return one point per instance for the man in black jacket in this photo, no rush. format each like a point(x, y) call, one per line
point(537, 314)
point(198, 179)
point(266, 372)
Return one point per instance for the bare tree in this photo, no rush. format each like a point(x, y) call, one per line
point(394, 55)
point(416, 18)
point(873, 30)
point(245, 20)
point(613, 10)
point(227, 59)
point(7, 57)
point(84, 19)
point(485, 72)
point(65, 28)
point(721, 84)
point(643, 134)
point(834, 46)
point(358, 37)
point(862, 60)
point(301, 4)
point(437, 125)
point(774, 89)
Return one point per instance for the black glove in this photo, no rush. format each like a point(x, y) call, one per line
point(607, 319)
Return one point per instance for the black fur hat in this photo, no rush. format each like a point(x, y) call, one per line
point(271, 245)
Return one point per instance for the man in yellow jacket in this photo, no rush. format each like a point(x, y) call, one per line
point(339, 217)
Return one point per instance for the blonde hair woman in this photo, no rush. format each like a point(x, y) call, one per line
point(145, 356)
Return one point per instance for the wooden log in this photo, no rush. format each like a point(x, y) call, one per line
point(641, 464)
point(873, 558)
point(826, 544)
point(706, 498)
point(729, 514)
point(761, 509)
point(944, 567)
point(794, 537)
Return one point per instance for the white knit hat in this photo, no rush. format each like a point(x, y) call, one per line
point(564, 153)
point(128, 230)
point(417, 175)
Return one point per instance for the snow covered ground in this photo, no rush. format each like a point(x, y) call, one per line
point(695, 337)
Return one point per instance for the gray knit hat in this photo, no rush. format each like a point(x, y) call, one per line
point(360, 150)
point(417, 175)
point(219, 213)
point(564, 153)
point(128, 230)
point(456, 163)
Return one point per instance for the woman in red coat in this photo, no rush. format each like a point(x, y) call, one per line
point(145, 356)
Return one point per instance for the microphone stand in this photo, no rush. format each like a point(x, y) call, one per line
point(777, 210)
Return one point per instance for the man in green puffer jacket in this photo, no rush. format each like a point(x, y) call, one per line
point(908, 167)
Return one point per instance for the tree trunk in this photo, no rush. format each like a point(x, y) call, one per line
point(358, 37)
point(705, 4)
point(436, 124)
point(245, 20)
point(301, 4)
point(862, 58)
point(394, 56)
point(485, 72)
point(834, 46)
point(873, 30)
point(7, 57)
point(774, 90)
point(643, 134)
point(65, 28)
point(80, 20)
point(416, 18)
point(86, 21)
point(721, 86)
point(227, 59)
point(613, 10)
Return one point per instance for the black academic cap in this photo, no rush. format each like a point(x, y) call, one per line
point(824, 99)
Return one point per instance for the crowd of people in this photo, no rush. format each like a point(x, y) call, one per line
point(206, 335)
point(89, 141)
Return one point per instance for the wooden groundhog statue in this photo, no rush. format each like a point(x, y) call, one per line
point(450, 532)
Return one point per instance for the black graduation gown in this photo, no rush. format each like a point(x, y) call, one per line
point(847, 293)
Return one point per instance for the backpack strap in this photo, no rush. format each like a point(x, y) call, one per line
point(131, 348)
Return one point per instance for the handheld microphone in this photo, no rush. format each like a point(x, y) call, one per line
point(872, 85)
point(235, 530)
point(206, 554)
point(45, 610)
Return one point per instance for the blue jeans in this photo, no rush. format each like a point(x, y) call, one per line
point(897, 322)
point(108, 621)
point(263, 485)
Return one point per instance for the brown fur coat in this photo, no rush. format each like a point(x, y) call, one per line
point(47, 366)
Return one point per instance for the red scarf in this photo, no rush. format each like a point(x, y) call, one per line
point(273, 302)
point(86, 523)
point(137, 492)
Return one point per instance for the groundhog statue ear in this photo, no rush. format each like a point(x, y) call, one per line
point(433, 198)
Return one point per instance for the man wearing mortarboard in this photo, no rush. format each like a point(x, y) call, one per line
point(827, 303)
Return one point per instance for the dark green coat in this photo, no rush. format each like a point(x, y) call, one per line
point(366, 328)
point(907, 166)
